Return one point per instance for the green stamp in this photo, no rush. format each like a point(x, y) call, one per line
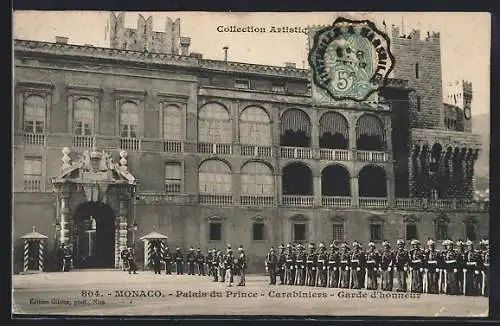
point(351, 59)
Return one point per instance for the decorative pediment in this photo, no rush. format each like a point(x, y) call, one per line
point(376, 218)
point(337, 219)
point(299, 218)
point(442, 219)
point(411, 219)
point(258, 218)
point(216, 218)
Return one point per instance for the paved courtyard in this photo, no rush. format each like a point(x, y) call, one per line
point(108, 292)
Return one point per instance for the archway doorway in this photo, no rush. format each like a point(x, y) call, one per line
point(94, 236)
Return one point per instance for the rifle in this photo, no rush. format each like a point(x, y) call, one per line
point(465, 280)
point(366, 278)
point(425, 282)
point(440, 284)
point(350, 278)
point(483, 283)
point(410, 278)
point(445, 281)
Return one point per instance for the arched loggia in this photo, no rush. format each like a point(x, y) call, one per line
point(335, 181)
point(372, 182)
point(297, 179)
point(295, 129)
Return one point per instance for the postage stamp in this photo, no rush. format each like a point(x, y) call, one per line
point(204, 163)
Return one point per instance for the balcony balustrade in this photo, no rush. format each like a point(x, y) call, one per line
point(371, 156)
point(254, 150)
point(34, 139)
point(372, 202)
point(81, 141)
point(213, 148)
point(336, 201)
point(32, 183)
point(297, 201)
point(130, 144)
point(216, 199)
point(296, 152)
point(335, 154)
point(173, 146)
point(257, 200)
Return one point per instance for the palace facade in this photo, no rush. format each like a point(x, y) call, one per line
point(113, 143)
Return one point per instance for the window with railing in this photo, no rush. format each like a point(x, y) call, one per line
point(173, 177)
point(35, 111)
point(32, 174)
point(214, 124)
point(83, 120)
point(172, 122)
point(129, 120)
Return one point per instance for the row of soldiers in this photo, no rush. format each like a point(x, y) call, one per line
point(222, 267)
point(458, 269)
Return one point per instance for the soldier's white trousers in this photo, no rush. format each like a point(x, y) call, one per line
point(229, 277)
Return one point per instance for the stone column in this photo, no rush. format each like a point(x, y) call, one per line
point(64, 219)
point(314, 133)
point(317, 189)
point(417, 186)
point(278, 179)
point(352, 135)
point(122, 226)
point(391, 193)
point(354, 191)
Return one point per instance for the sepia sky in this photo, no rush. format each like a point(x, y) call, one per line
point(465, 37)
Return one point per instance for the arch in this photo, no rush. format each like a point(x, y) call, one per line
point(35, 111)
point(172, 122)
point(297, 179)
point(295, 128)
point(333, 131)
point(335, 181)
point(214, 177)
point(372, 181)
point(94, 236)
point(129, 120)
point(255, 126)
point(83, 119)
point(370, 133)
point(214, 124)
point(256, 179)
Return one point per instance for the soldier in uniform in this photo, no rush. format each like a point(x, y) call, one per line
point(191, 261)
point(311, 266)
point(333, 266)
point(289, 265)
point(485, 253)
point(242, 265)
point(209, 261)
point(300, 267)
point(222, 268)
point(432, 260)
point(460, 245)
point(322, 263)
point(200, 262)
point(416, 267)
point(345, 270)
point(450, 265)
point(401, 261)
point(179, 261)
point(156, 259)
point(271, 266)
point(372, 261)
point(124, 257)
point(357, 264)
point(281, 264)
point(132, 267)
point(472, 271)
point(67, 259)
point(385, 267)
point(167, 257)
point(229, 266)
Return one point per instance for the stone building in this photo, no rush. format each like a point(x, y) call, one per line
point(111, 143)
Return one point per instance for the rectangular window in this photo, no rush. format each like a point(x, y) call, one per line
point(278, 87)
point(258, 231)
point(470, 232)
point(418, 103)
point(173, 177)
point(411, 232)
point(299, 232)
point(215, 230)
point(375, 232)
point(417, 72)
point(242, 83)
point(442, 231)
point(338, 232)
point(32, 174)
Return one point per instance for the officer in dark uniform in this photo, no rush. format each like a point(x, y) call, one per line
point(401, 262)
point(132, 267)
point(200, 262)
point(432, 259)
point(124, 254)
point(345, 266)
point(271, 265)
point(242, 265)
point(221, 266)
point(333, 266)
point(311, 258)
point(67, 259)
point(386, 266)
point(450, 265)
point(156, 258)
point(209, 262)
point(289, 265)
point(357, 265)
point(417, 267)
point(167, 257)
point(460, 248)
point(472, 270)
point(229, 266)
point(485, 257)
point(321, 263)
point(179, 261)
point(372, 261)
point(300, 267)
point(281, 264)
point(191, 261)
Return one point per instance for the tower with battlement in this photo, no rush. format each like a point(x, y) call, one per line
point(458, 103)
point(144, 38)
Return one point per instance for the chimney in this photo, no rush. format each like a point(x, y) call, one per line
point(185, 42)
point(290, 65)
point(61, 40)
point(225, 52)
point(196, 55)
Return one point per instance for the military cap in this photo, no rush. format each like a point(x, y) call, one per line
point(311, 246)
point(430, 242)
point(271, 249)
point(468, 243)
point(332, 245)
point(229, 250)
point(228, 246)
point(282, 246)
point(486, 242)
point(178, 248)
point(400, 242)
point(289, 245)
point(191, 249)
point(447, 243)
point(240, 248)
point(209, 250)
point(355, 243)
point(321, 245)
point(386, 243)
point(371, 244)
point(460, 243)
point(198, 249)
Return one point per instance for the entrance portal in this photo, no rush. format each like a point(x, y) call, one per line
point(94, 236)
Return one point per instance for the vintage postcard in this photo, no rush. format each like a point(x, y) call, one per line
point(196, 163)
